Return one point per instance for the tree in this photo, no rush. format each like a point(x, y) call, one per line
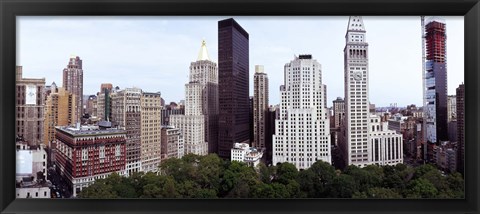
point(421, 188)
point(98, 190)
point(286, 172)
point(378, 192)
point(210, 170)
point(265, 173)
point(343, 186)
point(316, 180)
point(238, 180)
point(263, 190)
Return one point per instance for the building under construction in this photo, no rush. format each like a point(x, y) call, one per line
point(435, 77)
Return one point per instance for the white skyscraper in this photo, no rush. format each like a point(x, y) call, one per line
point(199, 124)
point(356, 137)
point(302, 131)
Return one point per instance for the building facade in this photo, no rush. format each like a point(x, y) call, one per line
point(60, 110)
point(31, 171)
point(260, 107)
point(150, 131)
point(199, 125)
point(386, 145)
point(73, 82)
point(338, 111)
point(355, 144)
point(172, 143)
point(242, 152)
point(302, 134)
point(30, 108)
point(233, 86)
point(436, 113)
point(461, 127)
point(91, 102)
point(126, 109)
point(89, 153)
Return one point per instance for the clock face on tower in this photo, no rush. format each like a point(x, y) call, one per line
point(357, 75)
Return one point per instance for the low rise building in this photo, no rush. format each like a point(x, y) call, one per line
point(386, 145)
point(242, 152)
point(31, 176)
point(88, 153)
point(172, 144)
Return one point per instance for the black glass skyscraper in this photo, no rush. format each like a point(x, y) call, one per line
point(233, 80)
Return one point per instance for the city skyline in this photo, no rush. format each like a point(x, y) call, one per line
point(163, 47)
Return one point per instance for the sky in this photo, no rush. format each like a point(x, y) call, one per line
point(154, 53)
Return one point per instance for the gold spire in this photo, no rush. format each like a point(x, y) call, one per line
point(203, 54)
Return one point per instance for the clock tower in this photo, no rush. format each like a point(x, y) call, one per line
point(355, 147)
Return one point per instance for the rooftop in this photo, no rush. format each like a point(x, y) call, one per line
point(89, 130)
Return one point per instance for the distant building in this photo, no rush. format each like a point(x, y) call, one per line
point(302, 133)
point(461, 127)
point(271, 116)
point(445, 156)
point(338, 111)
point(386, 145)
point(88, 153)
point(167, 112)
point(451, 108)
point(242, 152)
point(91, 102)
point(172, 143)
point(59, 111)
point(397, 123)
point(150, 131)
point(452, 117)
point(30, 108)
point(233, 86)
point(126, 115)
point(104, 102)
point(337, 119)
point(73, 82)
point(31, 171)
point(260, 107)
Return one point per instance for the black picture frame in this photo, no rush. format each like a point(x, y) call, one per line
point(470, 9)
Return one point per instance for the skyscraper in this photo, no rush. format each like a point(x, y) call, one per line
point(151, 128)
point(435, 81)
point(260, 107)
point(199, 124)
point(73, 82)
point(126, 109)
point(356, 145)
point(233, 86)
point(338, 119)
point(30, 107)
point(461, 127)
point(302, 133)
point(59, 111)
point(104, 103)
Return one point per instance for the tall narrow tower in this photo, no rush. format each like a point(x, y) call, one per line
point(356, 122)
point(260, 107)
point(435, 81)
point(73, 83)
point(233, 76)
point(199, 124)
